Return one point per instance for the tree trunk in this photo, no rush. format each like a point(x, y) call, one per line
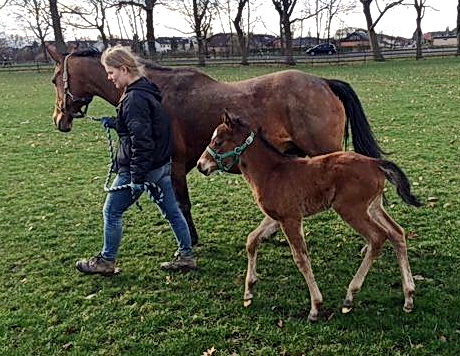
point(458, 28)
point(56, 20)
point(418, 31)
point(104, 38)
point(242, 40)
point(150, 29)
point(201, 52)
point(373, 41)
point(289, 59)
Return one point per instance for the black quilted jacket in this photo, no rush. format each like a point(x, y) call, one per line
point(144, 130)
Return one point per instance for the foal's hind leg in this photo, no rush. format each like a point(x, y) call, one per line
point(267, 227)
point(294, 234)
point(359, 219)
point(397, 238)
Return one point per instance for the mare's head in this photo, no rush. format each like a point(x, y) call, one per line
point(228, 142)
point(75, 79)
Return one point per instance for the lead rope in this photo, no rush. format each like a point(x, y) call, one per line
point(154, 192)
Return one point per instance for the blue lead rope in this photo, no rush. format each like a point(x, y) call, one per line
point(154, 192)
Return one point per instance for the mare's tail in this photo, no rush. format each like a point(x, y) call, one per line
point(363, 139)
point(396, 176)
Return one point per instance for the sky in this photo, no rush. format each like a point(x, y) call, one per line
point(399, 21)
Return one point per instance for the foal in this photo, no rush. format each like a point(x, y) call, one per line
point(287, 189)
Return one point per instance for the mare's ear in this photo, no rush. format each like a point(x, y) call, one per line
point(52, 50)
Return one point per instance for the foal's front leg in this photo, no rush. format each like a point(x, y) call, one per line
point(294, 234)
point(267, 227)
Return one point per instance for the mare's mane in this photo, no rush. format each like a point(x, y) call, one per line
point(148, 64)
point(89, 52)
point(151, 66)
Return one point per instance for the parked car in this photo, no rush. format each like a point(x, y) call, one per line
point(322, 48)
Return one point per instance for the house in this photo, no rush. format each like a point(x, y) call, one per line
point(355, 41)
point(223, 44)
point(302, 43)
point(359, 41)
point(441, 38)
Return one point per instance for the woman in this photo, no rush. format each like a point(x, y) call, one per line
point(143, 161)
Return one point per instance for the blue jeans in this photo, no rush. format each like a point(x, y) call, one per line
point(118, 202)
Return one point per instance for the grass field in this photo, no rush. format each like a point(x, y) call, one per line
point(50, 216)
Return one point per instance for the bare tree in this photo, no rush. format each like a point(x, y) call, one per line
point(285, 9)
point(3, 4)
point(198, 14)
point(335, 7)
point(420, 8)
point(93, 13)
point(371, 23)
point(56, 24)
point(35, 15)
point(318, 18)
point(147, 6)
point(243, 38)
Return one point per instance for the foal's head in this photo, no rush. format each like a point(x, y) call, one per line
point(228, 142)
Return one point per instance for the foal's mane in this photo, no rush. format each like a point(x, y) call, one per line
point(265, 142)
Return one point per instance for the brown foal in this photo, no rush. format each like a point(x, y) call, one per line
point(287, 189)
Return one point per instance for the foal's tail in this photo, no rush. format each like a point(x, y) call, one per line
point(396, 176)
point(363, 138)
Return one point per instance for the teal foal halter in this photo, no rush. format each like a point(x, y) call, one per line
point(234, 155)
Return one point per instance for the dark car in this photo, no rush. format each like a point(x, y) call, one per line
point(322, 48)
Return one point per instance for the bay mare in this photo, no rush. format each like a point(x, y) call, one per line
point(288, 188)
point(299, 113)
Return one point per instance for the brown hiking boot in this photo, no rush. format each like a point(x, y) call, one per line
point(180, 263)
point(96, 265)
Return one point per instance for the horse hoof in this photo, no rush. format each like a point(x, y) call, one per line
point(312, 318)
point(407, 309)
point(346, 310)
point(247, 303)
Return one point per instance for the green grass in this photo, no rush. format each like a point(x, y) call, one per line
point(50, 216)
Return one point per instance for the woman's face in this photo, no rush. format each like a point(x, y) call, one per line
point(118, 76)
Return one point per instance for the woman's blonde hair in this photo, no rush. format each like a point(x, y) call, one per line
point(121, 56)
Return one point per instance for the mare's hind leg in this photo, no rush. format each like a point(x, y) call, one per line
point(397, 238)
point(179, 181)
point(375, 235)
point(294, 234)
point(267, 227)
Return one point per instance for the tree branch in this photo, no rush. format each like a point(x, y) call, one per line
point(387, 7)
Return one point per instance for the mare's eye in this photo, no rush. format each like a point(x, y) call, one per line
point(53, 81)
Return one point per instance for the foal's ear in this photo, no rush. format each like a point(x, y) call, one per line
point(54, 53)
point(227, 118)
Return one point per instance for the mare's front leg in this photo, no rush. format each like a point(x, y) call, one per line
point(179, 180)
point(293, 230)
point(267, 228)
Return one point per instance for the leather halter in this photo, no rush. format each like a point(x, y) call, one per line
point(68, 94)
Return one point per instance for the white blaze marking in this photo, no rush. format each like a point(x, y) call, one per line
point(214, 134)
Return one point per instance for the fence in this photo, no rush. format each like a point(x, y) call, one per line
point(336, 59)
